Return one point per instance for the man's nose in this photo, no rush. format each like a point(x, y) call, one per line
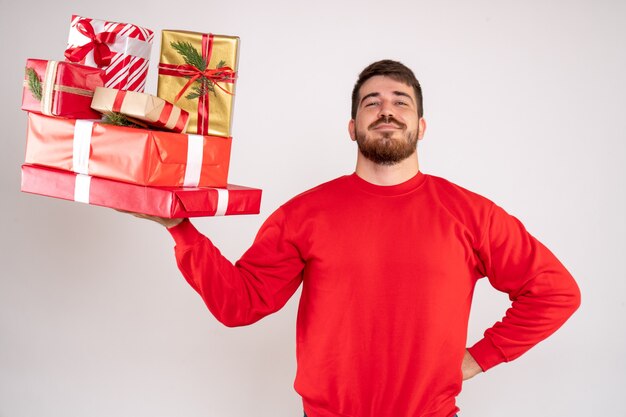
point(386, 110)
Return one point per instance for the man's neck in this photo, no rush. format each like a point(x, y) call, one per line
point(386, 174)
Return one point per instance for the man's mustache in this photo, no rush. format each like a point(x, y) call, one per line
point(387, 120)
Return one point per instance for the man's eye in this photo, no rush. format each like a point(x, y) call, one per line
point(371, 103)
point(401, 103)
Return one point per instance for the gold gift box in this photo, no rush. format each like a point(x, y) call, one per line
point(222, 49)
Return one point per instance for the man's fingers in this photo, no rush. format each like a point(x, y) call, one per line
point(161, 220)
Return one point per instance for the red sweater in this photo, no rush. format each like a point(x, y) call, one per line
point(388, 274)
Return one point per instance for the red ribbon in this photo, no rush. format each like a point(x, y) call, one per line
point(182, 121)
point(165, 115)
point(215, 75)
point(119, 100)
point(102, 54)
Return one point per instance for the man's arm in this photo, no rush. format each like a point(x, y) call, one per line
point(543, 293)
point(470, 367)
point(260, 283)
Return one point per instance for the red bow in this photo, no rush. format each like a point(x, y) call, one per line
point(102, 54)
point(216, 75)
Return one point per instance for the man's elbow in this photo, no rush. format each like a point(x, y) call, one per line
point(237, 320)
point(568, 298)
point(575, 297)
point(230, 322)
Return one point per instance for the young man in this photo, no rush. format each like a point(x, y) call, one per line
point(388, 258)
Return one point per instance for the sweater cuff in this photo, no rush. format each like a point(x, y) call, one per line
point(184, 233)
point(486, 354)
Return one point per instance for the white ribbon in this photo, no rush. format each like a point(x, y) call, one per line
point(122, 44)
point(48, 87)
point(81, 188)
point(195, 146)
point(222, 201)
point(137, 47)
point(81, 146)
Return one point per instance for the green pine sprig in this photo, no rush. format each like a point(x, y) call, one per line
point(203, 85)
point(119, 119)
point(200, 90)
point(206, 86)
point(34, 83)
point(190, 54)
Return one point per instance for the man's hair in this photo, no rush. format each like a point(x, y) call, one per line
point(394, 70)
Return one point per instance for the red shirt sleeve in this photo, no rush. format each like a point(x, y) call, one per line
point(260, 283)
point(543, 293)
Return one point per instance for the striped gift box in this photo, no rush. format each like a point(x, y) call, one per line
point(122, 50)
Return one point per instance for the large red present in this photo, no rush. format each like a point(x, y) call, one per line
point(133, 155)
point(122, 50)
point(170, 202)
point(60, 89)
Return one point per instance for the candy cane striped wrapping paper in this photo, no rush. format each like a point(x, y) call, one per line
point(128, 47)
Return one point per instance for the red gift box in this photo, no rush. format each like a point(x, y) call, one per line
point(122, 50)
point(65, 89)
point(170, 202)
point(133, 155)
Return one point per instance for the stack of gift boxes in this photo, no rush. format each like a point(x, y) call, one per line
point(95, 137)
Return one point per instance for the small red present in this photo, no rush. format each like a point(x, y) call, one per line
point(170, 202)
point(60, 89)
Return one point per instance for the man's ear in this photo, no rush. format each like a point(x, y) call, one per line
point(352, 129)
point(422, 128)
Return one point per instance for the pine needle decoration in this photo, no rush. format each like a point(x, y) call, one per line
point(34, 83)
point(201, 90)
point(194, 58)
point(190, 54)
point(119, 119)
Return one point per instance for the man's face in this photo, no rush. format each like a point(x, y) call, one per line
point(386, 127)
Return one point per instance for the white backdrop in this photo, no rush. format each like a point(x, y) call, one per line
point(525, 105)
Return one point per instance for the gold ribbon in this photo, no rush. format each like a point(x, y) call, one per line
point(72, 90)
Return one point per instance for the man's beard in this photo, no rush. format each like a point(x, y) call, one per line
point(384, 149)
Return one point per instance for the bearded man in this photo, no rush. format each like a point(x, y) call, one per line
point(388, 258)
